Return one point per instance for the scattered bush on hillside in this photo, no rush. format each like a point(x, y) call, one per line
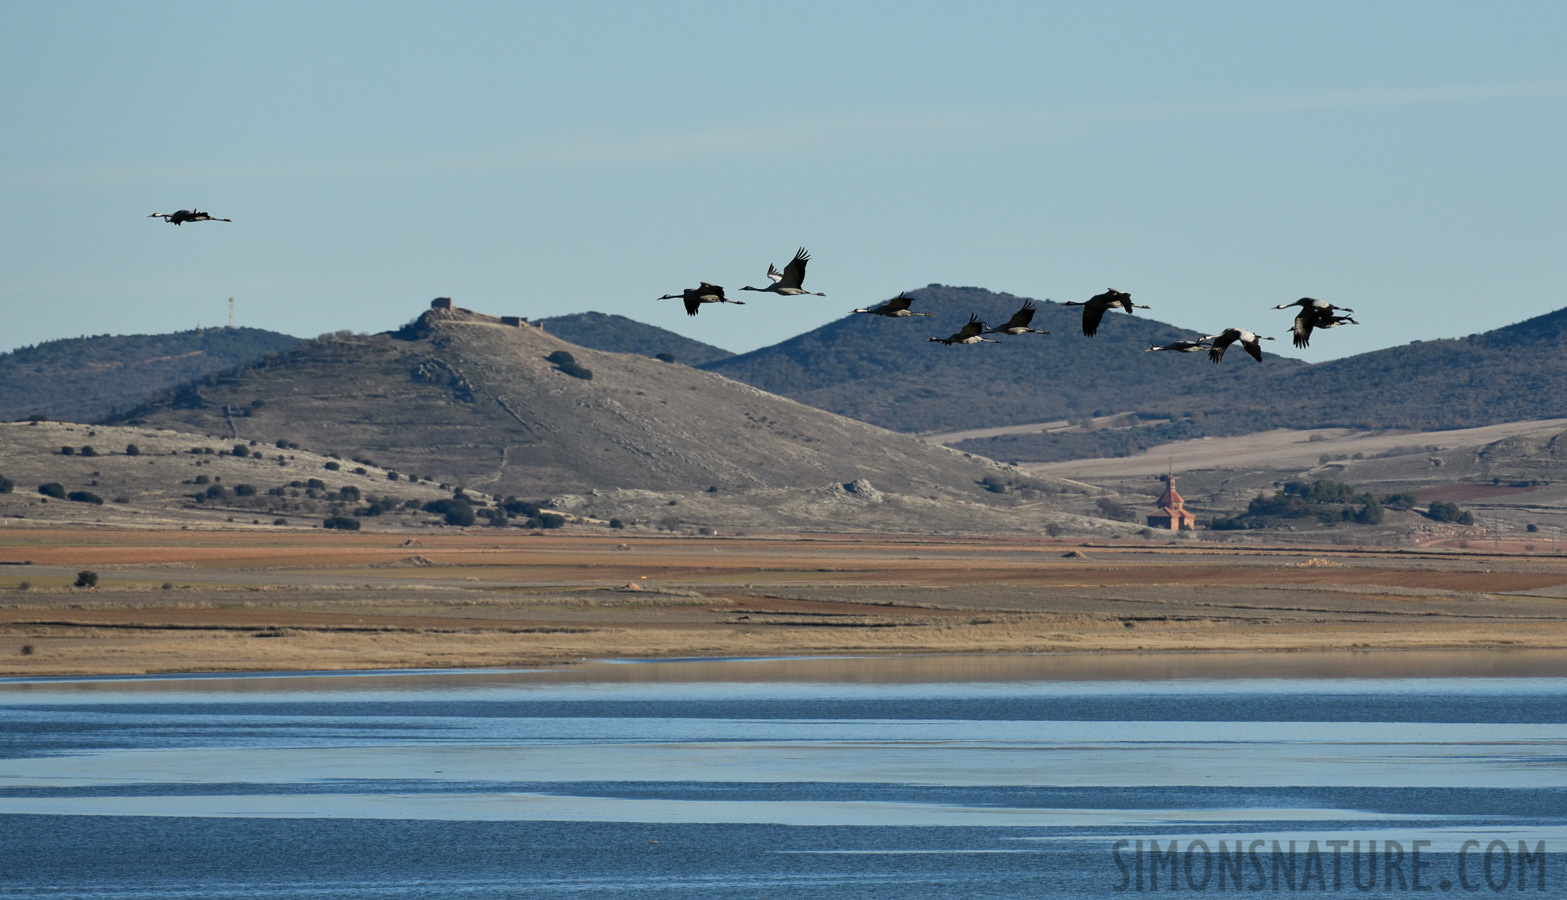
point(240, 450)
point(87, 450)
point(616, 523)
point(85, 497)
point(1328, 502)
point(551, 520)
point(567, 363)
point(53, 489)
point(132, 450)
point(516, 507)
point(6, 485)
point(348, 493)
point(67, 451)
point(456, 512)
point(332, 467)
point(1403, 501)
point(87, 578)
point(244, 490)
point(664, 357)
point(1442, 511)
point(342, 523)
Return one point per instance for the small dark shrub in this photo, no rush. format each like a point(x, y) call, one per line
point(664, 357)
point(343, 523)
point(6, 485)
point(359, 470)
point(332, 467)
point(132, 450)
point(53, 489)
point(315, 483)
point(85, 497)
point(551, 520)
point(279, 521)
point(456, 512)
point(168, 586)
point(391, 476)
point(244, 490)
point(241, 450)
point(27, 649)
point(67, 451)
point(87, 578)
point(87, 450)
point(201, 479)
point(616, 523)
point(349, 493)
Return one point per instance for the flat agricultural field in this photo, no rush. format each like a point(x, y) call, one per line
point(254, 600)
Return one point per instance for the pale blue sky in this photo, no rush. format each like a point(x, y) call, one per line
point(1214, 159)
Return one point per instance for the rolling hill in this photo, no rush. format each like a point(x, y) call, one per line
point(86, 379)
point(462, 397)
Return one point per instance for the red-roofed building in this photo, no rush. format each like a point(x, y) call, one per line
point(1172, 512)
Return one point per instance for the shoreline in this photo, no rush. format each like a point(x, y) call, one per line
point(913, 668)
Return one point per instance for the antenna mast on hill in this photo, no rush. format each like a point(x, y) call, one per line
point(231, 312)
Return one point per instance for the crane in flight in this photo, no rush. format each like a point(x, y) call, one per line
point(788, 282)
point(181, 216)
point(1018, 324)
point(1094, 307)
point(968, 334)
point(896, 308)
point(702, 293)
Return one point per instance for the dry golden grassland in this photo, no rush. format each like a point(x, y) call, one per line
point(187, 601)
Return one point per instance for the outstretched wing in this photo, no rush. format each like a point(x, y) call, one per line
point(972, 329)
point(1021, 318)
point(896, 304)
point(794, 272)
point(1303, 325)
point(1093, 312)
point(693, 303)
point(1216, 352)
point(1254, 348)
point(710, 290)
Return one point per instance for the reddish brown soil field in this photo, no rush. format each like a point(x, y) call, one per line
point(262, 600)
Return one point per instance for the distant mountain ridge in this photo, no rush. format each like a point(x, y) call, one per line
point(618, 334)
point(882, 371)
point(885, 372)
point(86, 379)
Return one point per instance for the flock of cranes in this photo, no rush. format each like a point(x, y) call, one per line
point(1314, 314)
point(790, 282)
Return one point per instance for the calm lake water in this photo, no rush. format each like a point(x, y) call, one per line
point(907, 778)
